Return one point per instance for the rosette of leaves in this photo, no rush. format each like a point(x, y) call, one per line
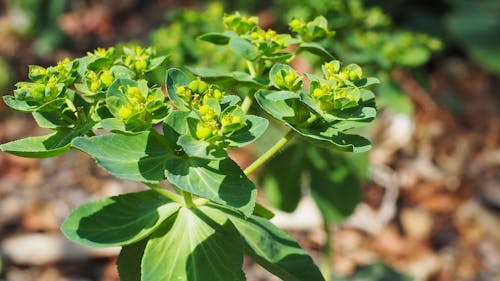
point(335, 102)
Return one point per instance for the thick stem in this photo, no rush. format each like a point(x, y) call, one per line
point(188, 200)
point(247, 101)
point(165, 192)
point(251, 69)
point(268, 154)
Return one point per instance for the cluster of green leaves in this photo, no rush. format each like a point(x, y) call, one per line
point(210, 212)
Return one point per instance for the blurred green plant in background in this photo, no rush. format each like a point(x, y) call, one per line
point(38, 19)
point(465, 26)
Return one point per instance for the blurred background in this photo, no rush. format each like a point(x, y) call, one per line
point(423, 204)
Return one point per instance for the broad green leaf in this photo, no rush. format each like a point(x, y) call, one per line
point(52, 120)
point(317, 49)
point(140, 157)
point(99, 63)
point(201, 148)
point(354, 113)
point(262, 211)
point(255, 127)
point(129, 261)
point(221, 181)
point(118, 220)
point(175, 78)
point(215, 38)
point(287, 107)
point(156, 62)
point(44, 146)
point(334, 185)
point(366, 82)
point(244, 48)
point(273, 249)
point(24, 106)
point(118, 126)
point(199, 245)
point(325, 132)
point(19, 105)
point(281, 179)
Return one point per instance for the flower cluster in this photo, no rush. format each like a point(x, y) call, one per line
point(214, 118)
point(103, 84)
point(337, 90)
point(239, 23)
point(198, 92)
point(314, 30)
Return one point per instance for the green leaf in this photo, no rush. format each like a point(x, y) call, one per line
point(273, 73)
point(175, 77)
point(115, 98)
point(118, 220)
point(221, 181)
point(287, 107)
point(281, 179)
point(51, 120)
point(157, 62)
point(19, 105)
point(129, 261)
point(200, 148)
point(199, 245)
point(215, 38)
point(118, 126)
point(356, 113)
point(273, 249)
point(255, 127)
point(140, 157)
point(262, 211)
point(44, 146)
point(366, 82)
point(325, 132)
point(317, 49)
point(334, 185)
point(244, 48)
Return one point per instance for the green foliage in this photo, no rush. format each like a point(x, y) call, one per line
point(38, 19)
point(375, 272)
point(475, 32)
point(203, 225)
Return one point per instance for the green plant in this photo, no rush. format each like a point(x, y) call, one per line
point(38, 19)
point(199, 227)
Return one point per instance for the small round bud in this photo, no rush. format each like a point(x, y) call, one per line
point(203, 132)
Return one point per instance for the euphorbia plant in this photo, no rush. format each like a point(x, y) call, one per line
point(201, 225)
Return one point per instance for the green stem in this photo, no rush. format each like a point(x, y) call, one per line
point(247, 101)
point(327, 254)
point(188, 200)
point(251, 69)
point(268, 154)
point(165, 192)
